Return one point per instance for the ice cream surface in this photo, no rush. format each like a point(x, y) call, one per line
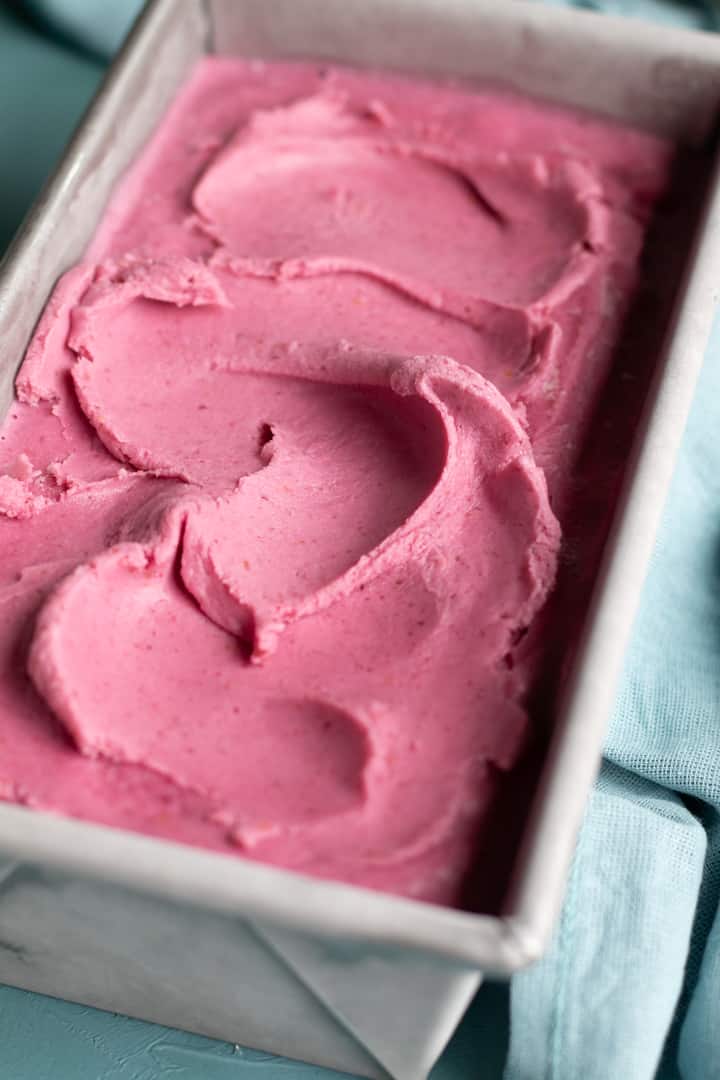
point(282, 490)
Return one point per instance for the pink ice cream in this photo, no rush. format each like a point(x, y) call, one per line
point(275, 495)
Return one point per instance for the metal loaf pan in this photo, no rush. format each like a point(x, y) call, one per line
point(316, 970)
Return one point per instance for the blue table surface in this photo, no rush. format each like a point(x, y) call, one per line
point(44, 87)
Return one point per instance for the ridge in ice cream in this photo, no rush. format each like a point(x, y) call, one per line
point(285, 481)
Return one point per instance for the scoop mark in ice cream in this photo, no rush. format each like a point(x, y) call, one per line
point(381, 490)
point(411, 213)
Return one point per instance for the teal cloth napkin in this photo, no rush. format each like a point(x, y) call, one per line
point(700, 14)
point(98, 26)
point(629, 987)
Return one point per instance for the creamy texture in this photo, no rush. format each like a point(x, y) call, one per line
point(275, 494)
